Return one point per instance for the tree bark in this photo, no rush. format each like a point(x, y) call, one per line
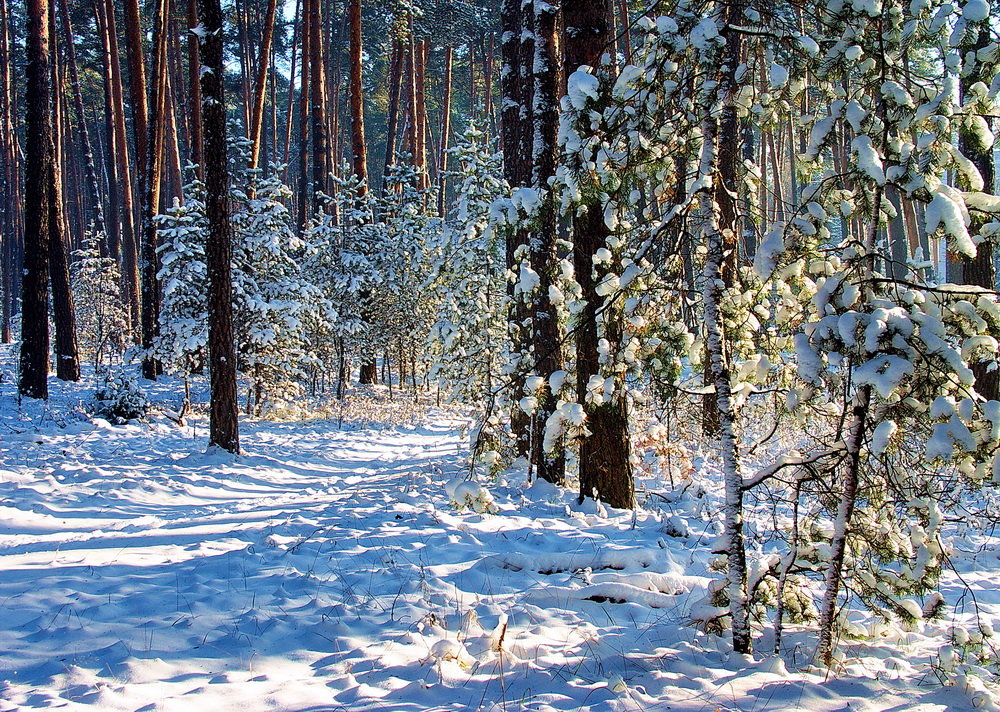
point(34, 360)
point(841, 527)
point(303, 111)
point(10, 193)
point(605, 465)
point(64, 313)
point(153, 173)
point(224, 410)
point(449, 61)
point(130, 240)
point(719, 160)
point(517, 55)
point(981, 269)
point(359, 146)
point(90, 169)
point(111, 182)
point(194, 90)
point(419, 117)
point(260, 85)
point(392, 118)
point(317, 99)
point(546, 345)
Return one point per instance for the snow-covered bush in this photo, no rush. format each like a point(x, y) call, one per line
point(274, 304)
point(102, 317)
point(118, 397)
point(469, 280)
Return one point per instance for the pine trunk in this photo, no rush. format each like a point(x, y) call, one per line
point(130, 240)
point(9, 175)
point(359, 146)
point(317, 99)
point(449, 61)
point(111, 180)
point(419, 117)
point(64, 313)
point(303, 112)
point(516, 54)
point(260, 86)
point(841, 527)
point(981, 269)
point(719, 161)
point(33, 381)
point(88, 149)
point(392, 118)
point(546, 345)
point(195, 139)
point(152, 183)
point(605, 466)
point(224, 410)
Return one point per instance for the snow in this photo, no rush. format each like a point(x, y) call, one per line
point(582, 87)
point(777, 76)
point(868, 160)
point(976, 11)
point(947, 210)
point(327, 568)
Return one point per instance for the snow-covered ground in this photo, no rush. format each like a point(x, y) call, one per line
point(326, 569)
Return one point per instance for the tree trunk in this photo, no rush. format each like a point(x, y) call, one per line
point(111, 183)
point(359, 147)
point(719, 161)
point(137, 86)
point(296, 34)
point(605, 467)
point(845, 510)
point(10, 193)
point(981, 269)
point(317, 98)
point(517, 55)
point(130, 240)
point(88, 150)
point(33, 381)
point(260, 86)
point(449, 60)
point(419, 117)
point(488, 84)
point(303, 111)
point(66, 352)
point(151, 368)
point(392, 117)
point(224, 415)
point(546, 346)
point(194, 90)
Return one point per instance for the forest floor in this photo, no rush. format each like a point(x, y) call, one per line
point(325, 569)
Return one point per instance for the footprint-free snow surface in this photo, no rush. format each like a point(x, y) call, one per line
point(325, 569)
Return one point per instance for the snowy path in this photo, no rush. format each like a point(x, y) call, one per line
point(325, 570)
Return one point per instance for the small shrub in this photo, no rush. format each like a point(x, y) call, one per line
point(119, 398)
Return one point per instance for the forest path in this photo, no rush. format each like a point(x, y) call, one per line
point(325, 569)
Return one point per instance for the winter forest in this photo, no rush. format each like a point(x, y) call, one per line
point(426, 355)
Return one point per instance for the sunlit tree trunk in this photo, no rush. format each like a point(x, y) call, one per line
point(130, 263)
point(260, 85)
point(63, 311)
point(152, 184)
point(545, 340)
point(718, 171)
point(605, 467)
point(517, 54)
point(34, 362)
point(449, 61)
point(224, 410)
